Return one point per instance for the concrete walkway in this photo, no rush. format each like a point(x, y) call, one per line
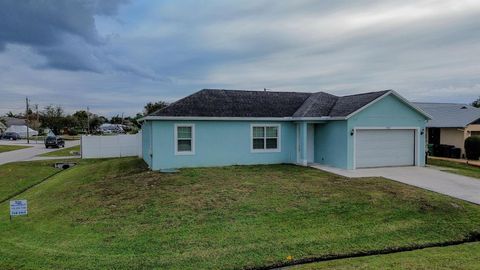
point(28, 153)
point(458, 186)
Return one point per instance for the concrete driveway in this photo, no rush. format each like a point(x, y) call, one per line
point(458, 186)
point(27, 153)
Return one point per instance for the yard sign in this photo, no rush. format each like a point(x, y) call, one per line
point(18, 208)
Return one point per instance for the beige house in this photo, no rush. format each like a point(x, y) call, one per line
point(451, 123)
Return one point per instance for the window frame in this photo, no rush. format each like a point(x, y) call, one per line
point(175, 140)
point(265, 149)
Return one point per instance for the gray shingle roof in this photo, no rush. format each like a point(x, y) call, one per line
point(348, 104)
point(236, 103)
point(242, 103)
point(12, 121)
point(449, 114)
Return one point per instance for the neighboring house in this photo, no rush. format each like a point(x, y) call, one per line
point(22, 131)
point(13, 121)
point(112, 128)
point(451, 123)
point(228, 127)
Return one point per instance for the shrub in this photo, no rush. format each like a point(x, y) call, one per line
point(72, 132)
point(472, 147)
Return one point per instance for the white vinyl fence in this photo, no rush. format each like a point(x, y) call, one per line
point(112, 146)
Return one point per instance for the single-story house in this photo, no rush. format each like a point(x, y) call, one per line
point(111, 128)
point(236, 127)
point(451, 124)
point(22, 131)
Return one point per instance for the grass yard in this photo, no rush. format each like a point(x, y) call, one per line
point(64, 152)
point(18, 176)
point(458, 168)
point(466, 256)
point(114, 213)
point(8, 148)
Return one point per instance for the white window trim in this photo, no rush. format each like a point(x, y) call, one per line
point(279, 138)
point(175, 131)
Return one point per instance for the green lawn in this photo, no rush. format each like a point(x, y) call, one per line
point(458, 168)
point(18, 176)
point(64, 152)
point(466, 256)
point(115, 214)
point(8, 148)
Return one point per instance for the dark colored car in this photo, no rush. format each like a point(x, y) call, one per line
point(13, 136)
point(54, 141)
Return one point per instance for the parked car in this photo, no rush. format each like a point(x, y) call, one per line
point(54, 141)
point(12, 136)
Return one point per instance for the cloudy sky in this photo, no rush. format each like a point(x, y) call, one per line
point(116, 55)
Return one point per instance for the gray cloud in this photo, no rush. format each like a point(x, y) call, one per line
point(64, 32)
point(149, 50)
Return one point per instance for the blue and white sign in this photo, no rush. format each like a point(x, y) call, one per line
point(18, 208)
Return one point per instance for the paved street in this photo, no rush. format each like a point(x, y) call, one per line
point(28, 153)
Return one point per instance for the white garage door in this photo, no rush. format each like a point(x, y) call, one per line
point(384, 147)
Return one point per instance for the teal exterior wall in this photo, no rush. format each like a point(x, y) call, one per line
point(331, 144)
point(388, 112)
point(218, 143)
point(146, 142)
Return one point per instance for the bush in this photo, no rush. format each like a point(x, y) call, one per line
point(472, 147)
point(72, 132)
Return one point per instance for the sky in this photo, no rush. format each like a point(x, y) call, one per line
point(114, 56)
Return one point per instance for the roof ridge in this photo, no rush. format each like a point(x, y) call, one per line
point(333, 105)
point(309, 106)
point(246, 90)
point(367, 93)
point(299, 107)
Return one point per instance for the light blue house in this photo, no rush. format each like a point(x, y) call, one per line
point(235, 127)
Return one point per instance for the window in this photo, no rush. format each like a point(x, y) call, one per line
point(265, 138)
point(184, 139)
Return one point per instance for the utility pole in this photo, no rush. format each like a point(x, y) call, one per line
point(26, 119)
point(88, 120)
point(37, 124)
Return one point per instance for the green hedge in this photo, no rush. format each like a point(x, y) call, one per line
point(472, 147)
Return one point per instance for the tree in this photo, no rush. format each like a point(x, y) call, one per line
point(135, 120)
point(82, 120)
point(476, 103)
point(52, 117)
point(116, 120)
point(96, 121)
point(154, 106)
point(11, 114)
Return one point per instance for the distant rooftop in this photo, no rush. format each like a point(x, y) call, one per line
point(12, 121)
point(449, 114)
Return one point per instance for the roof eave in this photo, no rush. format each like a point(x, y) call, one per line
point(208, 118)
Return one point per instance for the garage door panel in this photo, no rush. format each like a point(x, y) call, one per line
point(381, 148)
